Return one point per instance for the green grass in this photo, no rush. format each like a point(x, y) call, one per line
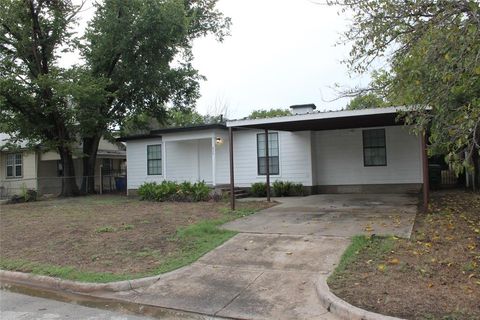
point(376, 248)
point(63, 272)
point(196, 240)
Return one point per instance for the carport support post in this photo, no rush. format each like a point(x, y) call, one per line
point(232, 178)
point(426, 185)
point(268, 164)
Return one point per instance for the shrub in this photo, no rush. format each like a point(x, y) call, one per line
point(172, 191)
point(287, 188)
point(258, 189)
point(297, 190)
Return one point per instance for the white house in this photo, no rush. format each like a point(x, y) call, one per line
point(342, 151)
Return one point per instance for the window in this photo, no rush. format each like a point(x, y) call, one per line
point(273, 154)
point(107, 166)
point(14, 165)
point(154, 159)
point(374, 149)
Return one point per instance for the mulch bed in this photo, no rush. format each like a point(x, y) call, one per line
point(112, 234)
point(434, 275)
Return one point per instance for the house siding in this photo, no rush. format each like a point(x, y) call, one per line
point(339, 158)
point(28, 180)
point(295, 159)
point(320, 158)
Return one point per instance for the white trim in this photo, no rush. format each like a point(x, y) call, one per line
point(214, 160)
point(161, 160)
point(316, 116)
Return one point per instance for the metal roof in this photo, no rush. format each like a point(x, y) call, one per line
point(329, 120)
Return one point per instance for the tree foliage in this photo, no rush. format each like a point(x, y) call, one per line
point(270, 113)
point(34, 89)
point(366, 101)
point(136, 59)
point(432, 48)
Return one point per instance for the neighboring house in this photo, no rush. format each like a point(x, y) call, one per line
point(342, 151)
point(35, 168)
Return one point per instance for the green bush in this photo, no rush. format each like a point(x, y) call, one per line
point(297, 190)
point(287, 188)
point(258, 189)
point(173, 191)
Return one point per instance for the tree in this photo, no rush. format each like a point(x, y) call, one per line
point(136, 60)
point(366, 101)
point(260, 114)
point(432, 48)
point(140, 54)
point(33, 88)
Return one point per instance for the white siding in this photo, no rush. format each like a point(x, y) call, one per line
point(137, 163)
point(333, 157)
point(189, 160)
point(295, 158)
point(339, 158)
point(186, 156)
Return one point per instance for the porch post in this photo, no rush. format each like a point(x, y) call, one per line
point(268, 164)
point(213, 158)
point(426, 185)
point(232, 178)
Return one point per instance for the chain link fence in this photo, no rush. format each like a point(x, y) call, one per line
point(111, 182)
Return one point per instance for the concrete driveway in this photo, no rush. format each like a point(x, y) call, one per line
point(340, 215)
point(269, 270)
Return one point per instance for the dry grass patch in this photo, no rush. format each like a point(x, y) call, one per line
point(106, 238)
point(435, 275)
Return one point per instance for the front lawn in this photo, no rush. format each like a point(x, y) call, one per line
point(435, 275)
point(110, 237)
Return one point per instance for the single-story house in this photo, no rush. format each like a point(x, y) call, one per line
point(33, 167)
point(350, 151)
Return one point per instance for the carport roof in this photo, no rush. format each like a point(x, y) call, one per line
point(345, 119)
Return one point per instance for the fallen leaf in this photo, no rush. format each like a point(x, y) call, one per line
point(381, 267)
point(394, 261)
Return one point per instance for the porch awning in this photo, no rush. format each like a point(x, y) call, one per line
point(315, 121)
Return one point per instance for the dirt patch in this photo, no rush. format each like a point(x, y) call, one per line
point(112, 234)
point(435, 275)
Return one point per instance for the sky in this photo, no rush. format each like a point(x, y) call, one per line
point(280, 53)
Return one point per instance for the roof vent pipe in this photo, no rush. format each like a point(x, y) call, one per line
point(303, 108)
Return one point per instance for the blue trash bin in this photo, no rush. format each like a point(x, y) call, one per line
point(120, 183)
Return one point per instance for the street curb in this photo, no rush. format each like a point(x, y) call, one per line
point(82, 287)
point(341, 308)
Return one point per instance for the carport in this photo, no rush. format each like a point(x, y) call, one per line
point(317, 121)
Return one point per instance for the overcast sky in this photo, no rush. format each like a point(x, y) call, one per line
point(280, 53)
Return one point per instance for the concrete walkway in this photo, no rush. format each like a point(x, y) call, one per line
point(269, 270)
point(251, 276)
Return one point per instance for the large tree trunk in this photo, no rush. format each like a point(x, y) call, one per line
point(90, 150)
point(69, 183)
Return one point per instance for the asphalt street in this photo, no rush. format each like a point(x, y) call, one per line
point(14, 306)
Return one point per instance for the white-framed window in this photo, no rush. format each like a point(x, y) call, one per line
point(14, 165)
point(273, 154)
point(154, 159)
point(374, 148)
